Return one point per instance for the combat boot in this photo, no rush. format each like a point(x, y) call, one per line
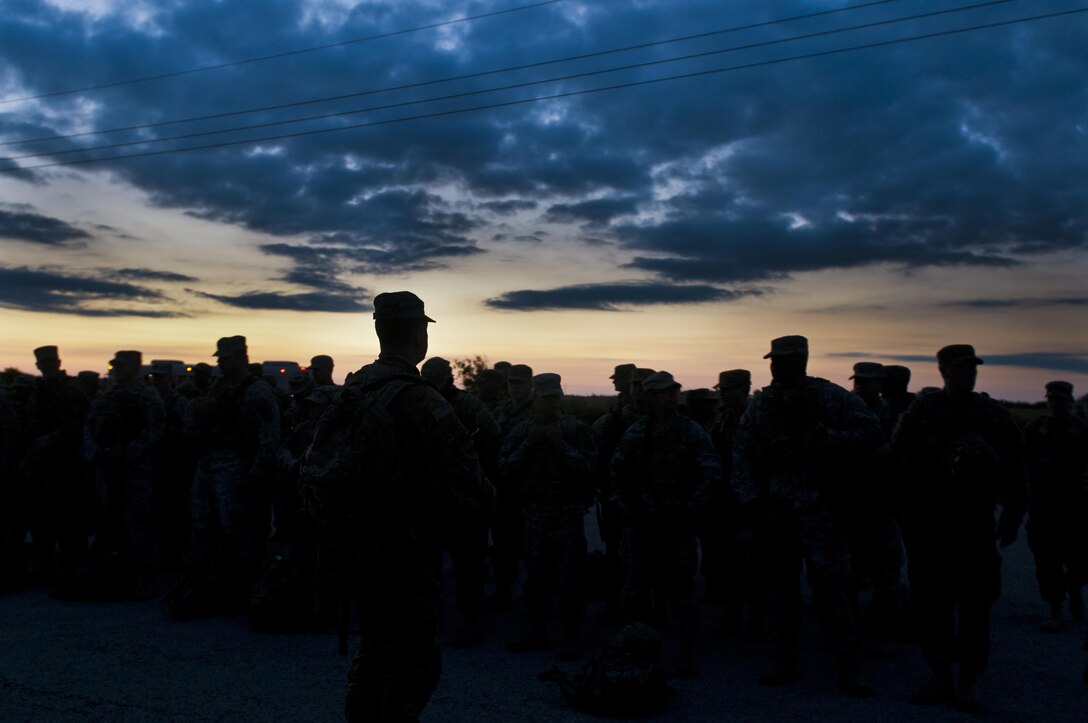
point(938, 689)
point(1056, 623)
point(784, 669)
point(967, 698)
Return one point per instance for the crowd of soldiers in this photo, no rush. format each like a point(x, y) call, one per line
point(884, 500)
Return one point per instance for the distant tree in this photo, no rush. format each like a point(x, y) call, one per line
point(465, 370)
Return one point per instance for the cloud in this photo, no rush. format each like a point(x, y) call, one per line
point(510, 207)
point(1051, 361)
point(597, 212)
point(21, 223)
point(1018, 303)
point(47, 290)
point(611, 297)
point(336, 302)
point(147, 275)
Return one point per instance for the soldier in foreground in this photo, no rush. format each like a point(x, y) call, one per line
point(1057, 458)
point(789, 455)
point(425, 470)
point(958, 453)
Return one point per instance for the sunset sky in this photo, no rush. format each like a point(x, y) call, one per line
point(569, 184)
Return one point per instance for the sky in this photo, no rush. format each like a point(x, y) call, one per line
point(567, 184)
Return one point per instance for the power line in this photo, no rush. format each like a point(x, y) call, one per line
point(467, 76)
point(567, 94)
point(285, 54)
point(514, 86)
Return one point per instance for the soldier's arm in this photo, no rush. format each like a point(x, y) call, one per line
point(465, 482)
point(623, 468)
point(1010, 449)
point(855, 429)
point(709, 467)
point(90, 446)
point(741, 477)
point(154, 425)
point(516, 451)
point(261, 402)
point(576, 449)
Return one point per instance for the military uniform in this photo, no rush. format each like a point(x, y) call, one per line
point(664, 475)
point(1057, 459)
point(551, 464)
point(11, 507)
point(789, 464)
point(957, 455)
point(120, 437)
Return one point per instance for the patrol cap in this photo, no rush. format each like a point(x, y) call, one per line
point(868, 370)
point(46, 352)
point(639, 374)
point(299, 382)
point(202, 366)
point(228, 346)
point(659, 382)
point(162, 367)
point(323, 395)
point(957, 354)
point(547, 385)
point(399, 305)
point(321, 361)
point(1059, 389)
point(520, 372)
point(436, 368)
point(734, 378)
point(897, 373)
point(700, 395)
point(502, 367)
point(622, 373)
point(788, 346)
point(127, 357)
point(88, 375)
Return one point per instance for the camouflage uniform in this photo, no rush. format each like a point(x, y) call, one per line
point(11, 524)
point(400, 580)
point(507, 522)
point(55, 473)
point(664, 475)
point(554, 477)
point(957, 459)
point(1057, 457)
point(175, 466)
point(120, 436)
point(238, 427)
point(789, 454)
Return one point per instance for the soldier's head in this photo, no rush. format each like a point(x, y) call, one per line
point(662, 393)
point(489, 385)
point(232, 355)
point(547, 390)
point(89, 380)
point(47, 359)
point(502, 367)
point(959, 368)
point(700, 404)
point(621, 378)
point(638, 394)
point(438, 372)
point(202, 375)
point(162, 376)
point(789, 359)
point(868, 378)
point(734, 386)
point(125, 366)
point(401, 326)
point(321, 367)
point(896, 380)
point(1060, 399)
point(519, 383)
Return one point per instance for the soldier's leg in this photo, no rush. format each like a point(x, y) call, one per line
point(570, 557)
point(680, 588)
point(468, 549)
point(636, 594)
point(539, 563)
point(782, 556)
point(506, 538)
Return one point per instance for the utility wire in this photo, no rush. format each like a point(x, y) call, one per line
point(514, 86)
point(467, 76)
point(568, 94)
point(300, 51)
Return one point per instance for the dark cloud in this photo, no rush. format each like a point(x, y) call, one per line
point(1052, 361)
point(53, 291)
point(21, 223)
point(314, 301)
point(594, 213)
point(611, 297)
point(1018, 303)
point(147, 275)
point(506, 208)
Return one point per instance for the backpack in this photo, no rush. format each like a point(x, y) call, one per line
point(625, 680)
point(348, 475)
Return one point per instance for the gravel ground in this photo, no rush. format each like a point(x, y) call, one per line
point(69, 661)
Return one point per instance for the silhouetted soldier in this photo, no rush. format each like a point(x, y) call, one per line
point(698, 405)
point(237, 426)
point(876, 545)
point(12, 527)
point(959, 453)
point(665, 474)
point(321, 367)
point(399, 662)
point(120, 438)
point(90, 382)
point(894, 390)
point(490, 386)
point(468, 537)
point(550, 458)
point(506, 525)
point(789, 455)
point(609, 430)
point(731, 576)
point(53, 466)
point(1057, 458)
point(174, 468)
